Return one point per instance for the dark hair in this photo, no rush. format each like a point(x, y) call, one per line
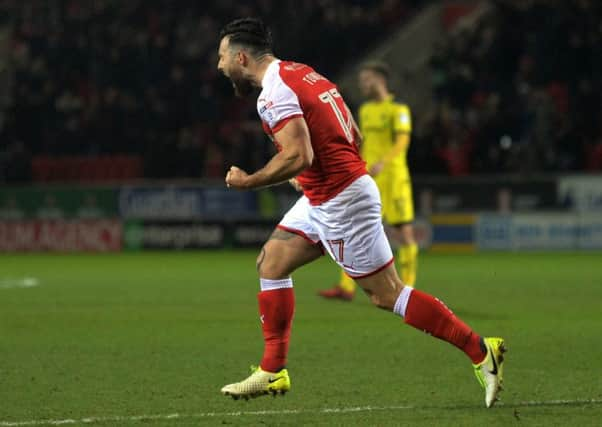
point(378, 67)
point(251, 33)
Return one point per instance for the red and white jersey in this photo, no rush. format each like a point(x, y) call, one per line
point(294, 90)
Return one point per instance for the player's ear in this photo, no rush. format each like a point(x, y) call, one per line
point(242, 58)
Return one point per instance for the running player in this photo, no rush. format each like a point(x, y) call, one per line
point(339, 212)
point(386, 126)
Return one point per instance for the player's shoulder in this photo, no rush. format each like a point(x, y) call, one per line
point(292, 72)
point(369, 107)
point(400, 106)
point(303, 77)
point(277, 82)
point(287, 68)
point(402, 117)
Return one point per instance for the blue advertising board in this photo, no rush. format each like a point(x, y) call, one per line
point(186, 203)
point(542, 231)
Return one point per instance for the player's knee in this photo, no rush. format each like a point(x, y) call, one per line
point(406, 242)
point(260, 259)
point(269, 266)
point(407, 235)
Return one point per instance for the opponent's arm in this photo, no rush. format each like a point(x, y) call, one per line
point(296, 154)
point(402, 141)
point(401, 122)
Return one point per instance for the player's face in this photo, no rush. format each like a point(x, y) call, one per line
point(230, 63)
point(369, 82)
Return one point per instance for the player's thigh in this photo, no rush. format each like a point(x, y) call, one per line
point(382, 287)
point(350, 228)
point(294, 243)
point(283, 253)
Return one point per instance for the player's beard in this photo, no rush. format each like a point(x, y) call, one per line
point(242, 86)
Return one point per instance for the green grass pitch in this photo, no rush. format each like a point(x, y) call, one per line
point(129, 339)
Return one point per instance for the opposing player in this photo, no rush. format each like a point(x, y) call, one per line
point(339, 212)
point(386, 126)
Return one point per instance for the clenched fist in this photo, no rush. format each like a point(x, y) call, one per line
point(237, 178)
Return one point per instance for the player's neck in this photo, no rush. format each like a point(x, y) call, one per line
point(261, 67)
point(382, 94)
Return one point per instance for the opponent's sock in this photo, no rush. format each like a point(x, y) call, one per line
point(407, 256)
point(430, 315)
point(276, 309)
point(346, 283)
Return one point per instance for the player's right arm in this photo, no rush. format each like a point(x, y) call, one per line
point(296, 154)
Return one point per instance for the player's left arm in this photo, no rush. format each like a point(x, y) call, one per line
point(296, 155)
point(401, 144)
point(402, 128)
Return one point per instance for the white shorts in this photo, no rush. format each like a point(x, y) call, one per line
point(349, 226)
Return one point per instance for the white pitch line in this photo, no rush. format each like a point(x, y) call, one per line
point(22, 282)
point(163, 417)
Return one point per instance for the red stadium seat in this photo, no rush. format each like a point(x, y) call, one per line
point(86, 169)
point(40, 168)
point(593, 155)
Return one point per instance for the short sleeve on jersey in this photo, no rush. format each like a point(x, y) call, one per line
point(279, 106)
point(402, 120)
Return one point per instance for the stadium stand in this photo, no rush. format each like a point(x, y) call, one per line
point(520, 93)
point(137, 79)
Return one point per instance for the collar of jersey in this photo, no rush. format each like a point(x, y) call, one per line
point(272, 69)
point(389, 98)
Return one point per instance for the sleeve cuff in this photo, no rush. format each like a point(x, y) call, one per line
point(278, 126)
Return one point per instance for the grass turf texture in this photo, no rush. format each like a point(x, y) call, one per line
point(160, 333)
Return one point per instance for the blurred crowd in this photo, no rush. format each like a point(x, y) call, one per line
point(95, 77)
point(520, 92)
point(517, 92)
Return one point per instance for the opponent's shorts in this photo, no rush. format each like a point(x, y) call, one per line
point(396, 196)
point(349, 226)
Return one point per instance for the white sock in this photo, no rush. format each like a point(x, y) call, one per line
point(402, 301)
point(270, 285)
